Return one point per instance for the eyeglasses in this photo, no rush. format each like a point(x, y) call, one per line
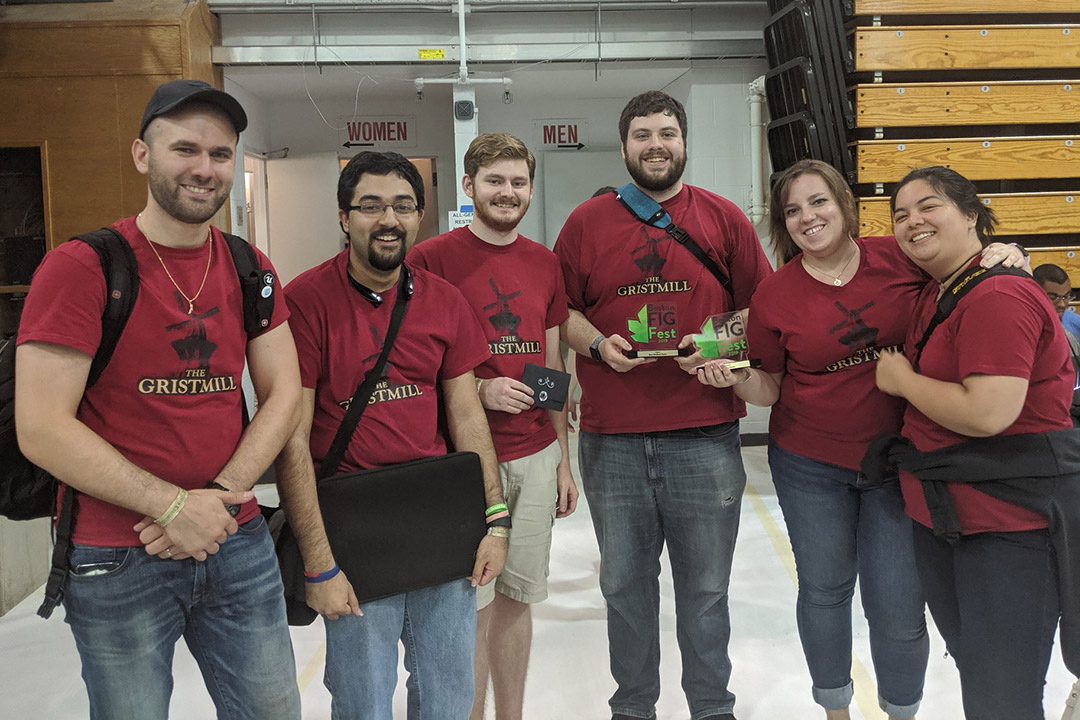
point(1055, 298)
point(374, 209)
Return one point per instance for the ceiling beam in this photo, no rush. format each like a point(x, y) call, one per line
point(480, 54)
point(295, 6)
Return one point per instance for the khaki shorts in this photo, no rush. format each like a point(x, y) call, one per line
point(531, 491)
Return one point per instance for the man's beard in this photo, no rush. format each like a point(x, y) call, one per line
point(167, 195)
point(652, 182)
point(499, 224)
point(385, 262)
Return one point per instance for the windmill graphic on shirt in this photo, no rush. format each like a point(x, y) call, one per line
point(384, 390)
point(375, 355)
point(504, 321)
point(858, 335)
point(194, 349)
point(647, 257)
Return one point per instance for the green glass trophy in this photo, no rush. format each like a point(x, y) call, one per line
point(724, 336)
point(655, 331)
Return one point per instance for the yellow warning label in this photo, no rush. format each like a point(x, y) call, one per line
point(432, 53)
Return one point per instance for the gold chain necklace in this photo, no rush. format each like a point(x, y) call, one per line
point(209, 259)
point(835, 278)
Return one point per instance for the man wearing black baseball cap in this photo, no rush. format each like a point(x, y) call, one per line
point(172, 95)
point(168, 540)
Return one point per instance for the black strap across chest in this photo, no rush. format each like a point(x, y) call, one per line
point(360, 398)
point(648, 211)
point(949, 299)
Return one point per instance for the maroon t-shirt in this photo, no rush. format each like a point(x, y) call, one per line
point(826, 340)
point(169, 399)
point(1003, 326)
point(517, 293)
point(615, 265)
point(339, 335)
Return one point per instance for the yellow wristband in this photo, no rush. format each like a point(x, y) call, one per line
point(503, 532)
point(173, 510)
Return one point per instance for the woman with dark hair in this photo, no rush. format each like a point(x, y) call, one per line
point(818, 325)
point(997, 365)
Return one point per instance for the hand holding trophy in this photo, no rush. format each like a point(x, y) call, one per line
point(723, 351)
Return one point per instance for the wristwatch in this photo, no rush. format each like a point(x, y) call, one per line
point(233, 510)
point(594, 349)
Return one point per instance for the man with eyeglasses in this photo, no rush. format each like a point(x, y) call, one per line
point(515, 287)
point(340, 315)
point(1055, 282)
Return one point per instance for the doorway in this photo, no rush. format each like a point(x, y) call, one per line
point(426, 166)
point(256, 218)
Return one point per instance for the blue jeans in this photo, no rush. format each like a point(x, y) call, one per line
point(437, 625)
point(841, 527)
point(682, 487)
point(994, 597)
point(127, 609)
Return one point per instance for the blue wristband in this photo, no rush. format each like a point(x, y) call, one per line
point(322, 577)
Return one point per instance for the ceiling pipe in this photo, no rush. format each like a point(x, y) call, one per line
point(463, 68)
point(465, 127)
point(268, 6)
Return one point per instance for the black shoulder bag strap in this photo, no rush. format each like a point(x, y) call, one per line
point(363, 392)
point(943, 517)
point(960, 287)
point(648, 211)
point(256, 285)
point(121, 289)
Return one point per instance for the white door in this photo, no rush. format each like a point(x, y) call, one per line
point(302, 203)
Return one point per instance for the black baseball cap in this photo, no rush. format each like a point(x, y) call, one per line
point(171, 95)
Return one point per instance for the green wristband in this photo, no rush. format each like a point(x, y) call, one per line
point(496, 508)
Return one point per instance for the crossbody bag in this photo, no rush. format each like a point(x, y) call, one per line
point(395, 528)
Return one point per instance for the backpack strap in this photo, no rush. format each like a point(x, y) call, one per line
point(648, 211)
point(1074, 349)
point(121, 272)
point(121, 289)
point(959, 287)
point(256, 285)
point(944, 518)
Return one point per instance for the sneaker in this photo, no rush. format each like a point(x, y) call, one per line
point(620, 716)
point(725, 716)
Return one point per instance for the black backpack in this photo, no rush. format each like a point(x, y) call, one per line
point(28, 492)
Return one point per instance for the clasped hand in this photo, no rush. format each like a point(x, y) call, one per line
point(198, 530)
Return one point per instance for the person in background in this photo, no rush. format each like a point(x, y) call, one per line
point(573, 397)
point(1055, 282)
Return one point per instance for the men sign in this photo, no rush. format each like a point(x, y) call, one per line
point(562, 133)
